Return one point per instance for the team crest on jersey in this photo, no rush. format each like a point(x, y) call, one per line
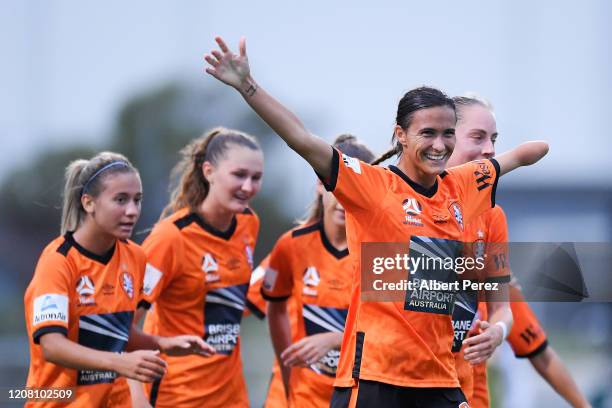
point(463, 405)
point(412, 209)
point(127, 283)
point(86, 290)
point(210, 268)
point(352, 163)
point(455, 209)
point(311, 281)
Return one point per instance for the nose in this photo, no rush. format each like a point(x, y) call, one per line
point(488, 149)
point(247, 185)
point(438, 144)
point(133, 209)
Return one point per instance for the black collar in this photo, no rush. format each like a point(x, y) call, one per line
point(427, 192)
point(226, 235)
point(103, 259)
point(338, 254)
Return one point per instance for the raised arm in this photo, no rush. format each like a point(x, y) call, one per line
point(524, 154)
point(233, 70)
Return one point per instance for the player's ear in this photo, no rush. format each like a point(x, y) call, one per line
point(88, 203)
point(400, 135)
point(207, 170)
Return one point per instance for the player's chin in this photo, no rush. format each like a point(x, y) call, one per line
point(124, 232)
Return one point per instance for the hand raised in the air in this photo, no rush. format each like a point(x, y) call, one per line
point(227, 67)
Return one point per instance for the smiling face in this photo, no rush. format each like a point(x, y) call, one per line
point(236, 177)
point(116, 209)
point(427, 143)
point(476, 135)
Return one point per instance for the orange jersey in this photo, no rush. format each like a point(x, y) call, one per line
point(90, 299)
point(489, 236)
point(306, 267)
point(197, 277)
point(405, 343)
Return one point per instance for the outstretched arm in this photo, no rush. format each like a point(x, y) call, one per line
point(524, 154)
point(551, 368)
point(233, 70)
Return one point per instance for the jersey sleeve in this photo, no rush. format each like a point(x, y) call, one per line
point(476, 183)
point(358, 186)
point(527, 337)
point(497, 263)
point(255, 302)
point(49, 307)
point(278, 276)
point(163, 248)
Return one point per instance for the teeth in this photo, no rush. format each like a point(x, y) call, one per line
point(435, 156)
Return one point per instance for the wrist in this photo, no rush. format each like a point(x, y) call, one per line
point(247, 87)
point(160, 344)
point(504, 330)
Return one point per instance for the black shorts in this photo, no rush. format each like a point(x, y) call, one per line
point(377, 394)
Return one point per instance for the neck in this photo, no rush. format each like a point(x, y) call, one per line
point(336, 235)
point(215, 215)
point(424, 179)
point(92, 239)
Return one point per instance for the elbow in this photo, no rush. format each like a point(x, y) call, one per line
point(49, 351)
point(534, 151)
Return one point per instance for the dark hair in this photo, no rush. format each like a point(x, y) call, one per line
point(348, 144)
point(86, 177)
point(193, 187)
point(414, 100)
point(470, 99)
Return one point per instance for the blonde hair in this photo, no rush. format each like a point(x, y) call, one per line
point(193, 187)
point(85, 177)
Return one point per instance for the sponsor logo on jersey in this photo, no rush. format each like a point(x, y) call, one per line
point(50, 307)
point(455, 209)
point(318, 319)
point(223, 313)
point(412, 209)
point(270, 276)
point(351, 163)
point(210, 268)
point(151, 279)
point(86, 290)
point(483, 175)
point(105, 332)
point(127, 283)
point(311, 281)
point(108, 289)
point(249, 255)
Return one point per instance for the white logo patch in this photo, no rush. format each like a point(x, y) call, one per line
point(50, 307)
point(351, 163)
point(127, 283)
point(270, 278)
point(249, 254)
point(311, 281)
point(151, 279)
point(210, 266)
point(258, 273)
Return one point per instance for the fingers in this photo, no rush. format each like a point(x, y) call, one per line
point(212, 61)
point(217, 55)
point(201, 347)
point(222, 44)
point(242, 46)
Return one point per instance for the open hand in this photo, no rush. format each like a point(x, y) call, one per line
point(228, 67)
point(185, 345)
point(309, 350)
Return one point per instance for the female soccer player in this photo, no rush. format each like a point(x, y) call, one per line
point(87, 284)
point(310, 266)
point(200, 258)
point(393, 353)
point(476, 133)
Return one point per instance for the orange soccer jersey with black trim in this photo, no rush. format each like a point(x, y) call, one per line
point(90, 299)
point(488, 238)
point(405, 343)
point(197, 278)
point(305, 267)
